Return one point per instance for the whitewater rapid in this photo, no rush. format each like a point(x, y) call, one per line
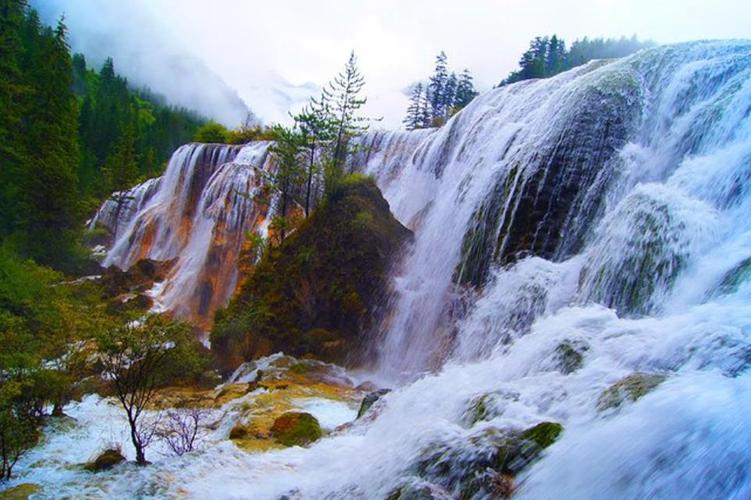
point(605, 208)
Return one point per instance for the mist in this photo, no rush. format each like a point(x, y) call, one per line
point(146, 53)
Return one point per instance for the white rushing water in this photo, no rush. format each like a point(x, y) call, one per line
point(197, 213)
point(606, 209)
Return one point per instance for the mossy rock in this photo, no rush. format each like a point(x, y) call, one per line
point(105, 461)
point(20, 492)
point(370, 399)
point(629, 388)
point(238, 432)
point(486, 406)
point(296, 429)
point(543, 434)
point(570, 356)
point(319, 293)
point(484, 466)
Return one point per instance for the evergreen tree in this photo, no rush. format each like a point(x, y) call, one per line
point(317, 130)
point(465, 90)
point(436, 87)
point(11, 91)
point(414, 118)
point(342, 100)
point(49, 182)
point(449, 95)
point(288, 174)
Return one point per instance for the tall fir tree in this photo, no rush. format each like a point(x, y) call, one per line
point(343, 101)
point(465, 90)
point(414, 118)
point(436, 86)
point(449, 95)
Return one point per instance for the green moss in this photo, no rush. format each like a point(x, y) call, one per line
point(543, 434)
point(20, 492)
point(296, 429)
point(630, 388)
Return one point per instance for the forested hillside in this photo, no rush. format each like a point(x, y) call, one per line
point(69, 136)
point(548, 56)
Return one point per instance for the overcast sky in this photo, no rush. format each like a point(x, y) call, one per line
point(271, 52)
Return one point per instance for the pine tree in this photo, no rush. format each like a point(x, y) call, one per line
point(342, 100)
point(436, 87)
point(449, 95)
point(50, 184)
point(465, 90)
point(287, 176)
point(11, 112)
point(414, 118)
point(317, 130)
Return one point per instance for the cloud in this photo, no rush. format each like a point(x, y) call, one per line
point(277, 53)
point(146, 53)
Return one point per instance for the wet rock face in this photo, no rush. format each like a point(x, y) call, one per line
point(370, 399)
point(319, 293)
point(482, 467)
point(545, 199)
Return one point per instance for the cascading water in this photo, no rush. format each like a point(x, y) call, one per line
point(197, 213)
point(569, 233)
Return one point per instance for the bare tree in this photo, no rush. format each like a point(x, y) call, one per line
point(180, 427)
point(134, 357)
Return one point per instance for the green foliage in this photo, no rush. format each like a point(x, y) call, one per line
point(547, 56)
point(211, 131)
point(430, 105)
point(69, 136)
point(140, 357)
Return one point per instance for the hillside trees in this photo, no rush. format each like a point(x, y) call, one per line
point(311, 153)
point(548, 56)
point(445, 93)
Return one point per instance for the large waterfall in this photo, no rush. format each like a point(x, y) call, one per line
point(603, 212)
point(198, 213)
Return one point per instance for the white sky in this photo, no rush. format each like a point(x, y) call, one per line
point(261, 47)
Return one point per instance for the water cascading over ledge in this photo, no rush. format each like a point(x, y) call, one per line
point(197, 214)
point(560, 191)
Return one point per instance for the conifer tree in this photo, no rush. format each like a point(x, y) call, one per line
point(465, 90)
point(436, 86)
point(449, 95)
point(414, 118)
point(317, 130)
point(342, 100)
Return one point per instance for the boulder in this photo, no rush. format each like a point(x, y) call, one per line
point(105, 461)
point(296, 429)
point(629, 388)
point(370, 399)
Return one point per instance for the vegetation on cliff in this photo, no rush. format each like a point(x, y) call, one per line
point(318, 293)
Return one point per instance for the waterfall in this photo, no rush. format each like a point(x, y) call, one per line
point(197, 214)
point(601, 212)
point(604, 184)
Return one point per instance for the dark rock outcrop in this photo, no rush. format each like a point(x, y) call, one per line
point(318, 294)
